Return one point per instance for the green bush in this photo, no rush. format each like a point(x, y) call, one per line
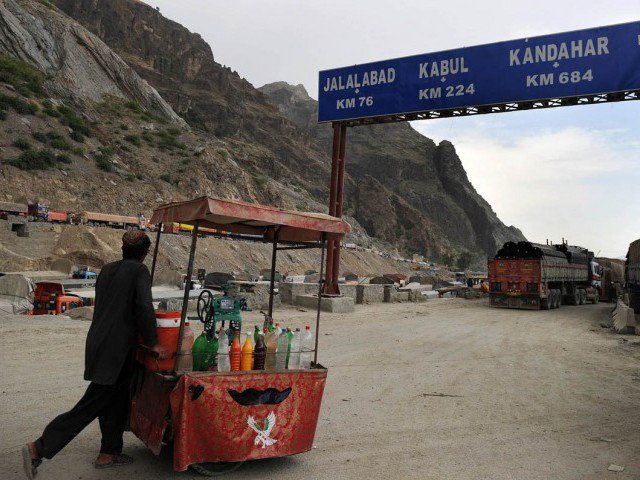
point(40, 136)
point(22, 144)
point(76, 136)
point(35, 160)
point(166, 177)
point(63, 158)
point(26, 79)
point(133, 139)
point(147, 135)
point(168, 139)
point(103, 159)
point(124, 126)
point(134, 107)
point(73, 120)
point(3, 114)
point(130, 177)
point(57, 141)
point(19, 105)
point(260, 180)
point(78, 150)
point(50, 109)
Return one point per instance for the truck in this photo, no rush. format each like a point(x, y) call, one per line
point(39, 212)
point(51, 299)
point(535, 276)
point(107, 219)
point(632, 275)
point(9, 208)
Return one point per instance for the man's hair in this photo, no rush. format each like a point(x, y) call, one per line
point(135, 245)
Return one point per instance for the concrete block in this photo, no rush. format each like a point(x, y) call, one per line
point(289, 291)
point(348, 290)
point(429, 294)
point(327, 304)
point(369, 294)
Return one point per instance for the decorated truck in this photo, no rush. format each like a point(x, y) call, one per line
point(632, 275)
point(534, 276)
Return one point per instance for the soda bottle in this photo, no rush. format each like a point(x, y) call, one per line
point(307, 347)
point(271, 340)
point(289, 339)
point(185, 361)
point(281, 354)
point(235, 352)
point(259, 353)
point(198, 352)
point(296, 343)
point(246, 362)
point(256, 332)
point(211, 352)
point(224, 364)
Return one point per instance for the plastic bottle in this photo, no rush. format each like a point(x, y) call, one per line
point(235, 352)
point(198, 352)
point(211, 352)
point(271, 340)
point(185, 360)
point(246, 362)
point(224, 364)
point(281, 354)
point(307, 347)
point(289, 339)
point(259, 353)
point(296, 344)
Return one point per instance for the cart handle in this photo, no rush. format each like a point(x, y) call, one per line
point(148, 351)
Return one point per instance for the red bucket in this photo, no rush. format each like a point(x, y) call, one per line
point(168, 329)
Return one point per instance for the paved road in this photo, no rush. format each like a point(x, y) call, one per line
point(449, 389)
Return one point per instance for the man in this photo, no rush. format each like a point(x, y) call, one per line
point(123, 309)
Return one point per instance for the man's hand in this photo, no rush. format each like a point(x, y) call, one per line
point(161, 351)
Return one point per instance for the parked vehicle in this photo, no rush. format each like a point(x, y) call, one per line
point(51, 298)
point(107, 219)
point(534, 276)
point(632, 275)
point(84, 273)
point(39, 212)
point(9, 208)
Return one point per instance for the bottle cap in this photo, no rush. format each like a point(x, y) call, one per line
point(297, 329)
point(307, 327)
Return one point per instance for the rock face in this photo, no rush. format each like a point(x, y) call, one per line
point(80, 66)
point(260, 144)
point(403, 185)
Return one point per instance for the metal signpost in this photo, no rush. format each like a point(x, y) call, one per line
point(572, 68)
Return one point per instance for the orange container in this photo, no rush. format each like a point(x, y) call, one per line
point(168, 328)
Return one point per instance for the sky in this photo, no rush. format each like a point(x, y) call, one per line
point(571, 172)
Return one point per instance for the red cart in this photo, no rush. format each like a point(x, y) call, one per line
point(218, 417)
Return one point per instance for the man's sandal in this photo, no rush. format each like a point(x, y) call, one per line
point(118, 460)
point(29, 464)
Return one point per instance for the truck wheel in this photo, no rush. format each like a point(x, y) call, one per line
point(545, 303)
point(556, 298)
point(583, 297)
point(596, 298)
point(575, 298)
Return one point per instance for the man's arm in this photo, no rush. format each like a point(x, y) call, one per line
point(145, 316)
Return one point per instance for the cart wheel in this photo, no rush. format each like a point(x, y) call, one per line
point(204, 304)
point(215, 469)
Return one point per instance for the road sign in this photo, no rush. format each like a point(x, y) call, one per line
point(571, 64)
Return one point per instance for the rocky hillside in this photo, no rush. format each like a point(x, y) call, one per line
point(163, 121)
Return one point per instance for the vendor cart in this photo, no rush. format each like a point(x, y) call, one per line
point(214, 418)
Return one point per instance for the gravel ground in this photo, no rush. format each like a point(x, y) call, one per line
point(449, 389)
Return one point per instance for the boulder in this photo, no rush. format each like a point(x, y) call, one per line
point(217, 279)
point(62, 265)
point(80, 313)
point(381, 281)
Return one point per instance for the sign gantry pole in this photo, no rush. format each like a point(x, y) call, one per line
point(336, 197)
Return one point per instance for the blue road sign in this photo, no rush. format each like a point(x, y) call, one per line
point(584, 62)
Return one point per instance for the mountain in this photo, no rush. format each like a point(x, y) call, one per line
point(165, 121)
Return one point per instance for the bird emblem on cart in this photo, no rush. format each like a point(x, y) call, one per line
point(263, 433)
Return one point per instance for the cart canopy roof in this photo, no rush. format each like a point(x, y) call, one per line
point(251, 219)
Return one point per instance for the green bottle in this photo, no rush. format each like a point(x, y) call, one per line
point(211, 353)
point(256, 334)
point(289, 338)
point(198, 352)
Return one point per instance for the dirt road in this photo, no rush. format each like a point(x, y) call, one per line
point(449, 389)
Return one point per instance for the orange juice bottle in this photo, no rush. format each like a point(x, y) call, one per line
point(246, 362)
point(235, 352)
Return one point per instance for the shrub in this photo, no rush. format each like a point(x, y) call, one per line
point(103, 159)
point(133, 139)
point(34, 160)
point(76, 136)
point(40, 136)
point(167, 139)
point(57, 141)
point(130, 177)
point(22, 144)
point(73, 120)
point(19, 105)
point(3, 114)
point(78, 150)
point(50, 109)
point(124, 126)
point(166, 177)
point(47, 4)
point(147, 135)
point(260, 180)
point(26, 79)
point(134, 107)
point(63, 158)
